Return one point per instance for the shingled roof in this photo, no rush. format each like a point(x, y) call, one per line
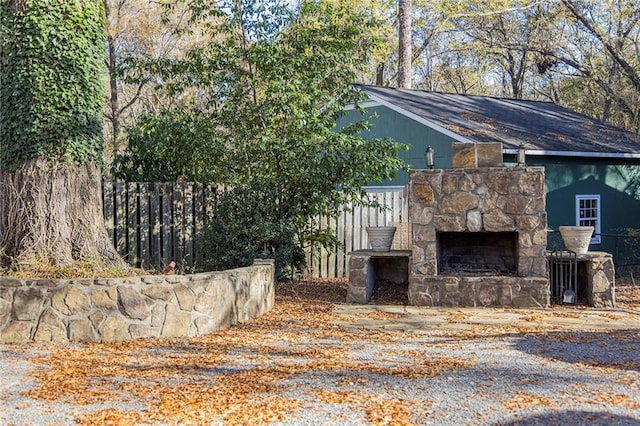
point(543, 127)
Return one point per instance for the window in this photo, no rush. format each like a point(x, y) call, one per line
point(588, 214)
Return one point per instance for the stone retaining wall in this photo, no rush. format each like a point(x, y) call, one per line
point(112, 309)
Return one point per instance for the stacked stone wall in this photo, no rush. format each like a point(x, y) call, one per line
point(114, 309)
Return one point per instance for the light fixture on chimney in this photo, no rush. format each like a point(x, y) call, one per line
point(521, 155)
point(429, 156)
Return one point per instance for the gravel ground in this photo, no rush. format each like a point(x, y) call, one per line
point(296, 366)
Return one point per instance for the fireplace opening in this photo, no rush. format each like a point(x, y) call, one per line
point(477, 253)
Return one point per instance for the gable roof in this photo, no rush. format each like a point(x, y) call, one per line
point(543, 127)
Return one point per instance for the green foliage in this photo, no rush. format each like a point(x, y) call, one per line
point(629, 253)
point(51, 87)
point(170, 146)
point(271, 85)
point(244, 227)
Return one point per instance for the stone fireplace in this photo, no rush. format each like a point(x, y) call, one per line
point(478, 237)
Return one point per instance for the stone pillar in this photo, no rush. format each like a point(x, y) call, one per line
point(361, 282)
point(601, 280)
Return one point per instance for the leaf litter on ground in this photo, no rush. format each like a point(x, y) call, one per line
point(247, 374)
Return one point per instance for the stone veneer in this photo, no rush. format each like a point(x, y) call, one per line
point(113, 309)
point(479, 199)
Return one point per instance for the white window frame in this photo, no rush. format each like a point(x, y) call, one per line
point(586, 218)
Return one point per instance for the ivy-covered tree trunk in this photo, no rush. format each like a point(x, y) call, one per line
point(51, 88)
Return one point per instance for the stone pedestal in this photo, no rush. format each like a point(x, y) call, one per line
point(600, 279)
point(596, 278)
point(368, 266)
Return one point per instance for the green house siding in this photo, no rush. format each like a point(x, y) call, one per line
point(617, 182)
point(391, 124)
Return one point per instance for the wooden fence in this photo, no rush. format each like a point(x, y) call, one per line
point(152, 224)
point(350, 230)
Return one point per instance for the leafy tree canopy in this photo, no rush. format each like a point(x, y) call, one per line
point(271, 83)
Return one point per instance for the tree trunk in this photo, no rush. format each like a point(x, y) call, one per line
point(52, 214)
point(404, 44)
point(380, 74)
point(114, 103)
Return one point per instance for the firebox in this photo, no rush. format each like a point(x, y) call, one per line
point(477, 253)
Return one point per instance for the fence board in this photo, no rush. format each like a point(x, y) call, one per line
point(166, 235)
point(144, 225)
point(178, 223)
point(108, 199)
point(120, 234)
point(340, 252)
point(356, 217)
point(155, 224)
point(188, 224)
point(323, 259)
point(132, 223)
point(312, 254)
point(349, 237)
point(198, 224)
point(331, 255)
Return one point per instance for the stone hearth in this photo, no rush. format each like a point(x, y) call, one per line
point(489, 225)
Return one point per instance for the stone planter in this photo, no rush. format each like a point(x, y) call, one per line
point(381, 237)
point(576, 238)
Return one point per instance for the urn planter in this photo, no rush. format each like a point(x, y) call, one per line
point(576, 238)
point(381, 237)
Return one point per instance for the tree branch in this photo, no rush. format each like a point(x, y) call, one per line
point(626, 67)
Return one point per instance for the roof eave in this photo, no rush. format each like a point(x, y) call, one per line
point(545, 153)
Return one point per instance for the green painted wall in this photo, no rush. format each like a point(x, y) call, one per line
point(618, 186)
point(388, 123)
point(617, 182)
